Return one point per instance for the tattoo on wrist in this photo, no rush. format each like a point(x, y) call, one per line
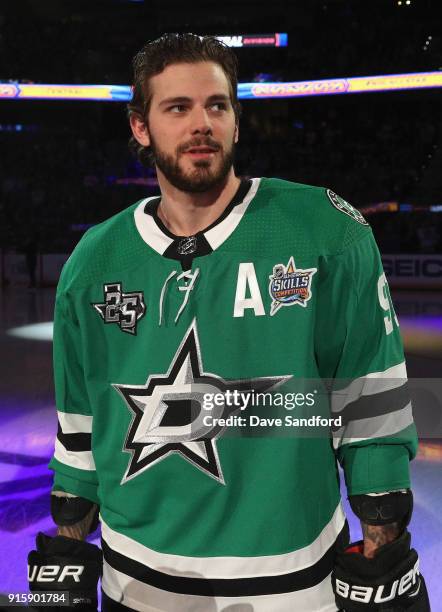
point(376, 536)
point(80, 530)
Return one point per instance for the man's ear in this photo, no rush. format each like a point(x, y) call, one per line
point(236, 133)
point(139, 130)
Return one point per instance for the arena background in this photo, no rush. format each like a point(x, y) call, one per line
point(65, 166)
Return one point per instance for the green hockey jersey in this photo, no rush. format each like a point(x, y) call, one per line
point(164, 346)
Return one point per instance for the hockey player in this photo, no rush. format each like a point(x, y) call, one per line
point(222, 284)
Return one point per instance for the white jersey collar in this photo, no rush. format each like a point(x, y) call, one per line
point(152, 234)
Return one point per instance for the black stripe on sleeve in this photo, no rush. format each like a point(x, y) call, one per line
point(377, 404)
point(75, 442)
point(222, 587)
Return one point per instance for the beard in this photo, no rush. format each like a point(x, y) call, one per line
point(206, 174)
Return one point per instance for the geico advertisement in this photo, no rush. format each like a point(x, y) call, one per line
point(413, 270)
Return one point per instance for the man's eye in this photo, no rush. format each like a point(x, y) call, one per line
point(179, 108)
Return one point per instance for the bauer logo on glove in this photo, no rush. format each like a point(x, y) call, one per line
point(54, 573)
point(384, 592)
point(388, 582)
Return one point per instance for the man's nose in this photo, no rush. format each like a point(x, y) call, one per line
point(201, 123)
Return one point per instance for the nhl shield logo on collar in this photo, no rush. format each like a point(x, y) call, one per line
point(187, 245)
point(124, 309)
point(290, 285)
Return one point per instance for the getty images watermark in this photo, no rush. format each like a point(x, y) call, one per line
point(239, 401)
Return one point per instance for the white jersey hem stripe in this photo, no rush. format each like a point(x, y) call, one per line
point(146, 598)
point(228, 567)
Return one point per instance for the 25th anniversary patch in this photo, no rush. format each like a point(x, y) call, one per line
point(124, 309)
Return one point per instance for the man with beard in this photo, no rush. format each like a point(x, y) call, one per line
point(225, 288)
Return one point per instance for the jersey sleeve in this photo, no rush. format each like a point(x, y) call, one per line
point(359, 350)
point(72, 462)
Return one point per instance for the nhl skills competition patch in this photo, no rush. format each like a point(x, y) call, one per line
point(290, 285)
point(342, 205)
point(124, 309)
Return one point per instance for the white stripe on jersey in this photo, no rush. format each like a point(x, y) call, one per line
point(146, 598)
point(370, 384)
point(81, 460)
point(227, 567)
point(376, 427)
point(74, 423)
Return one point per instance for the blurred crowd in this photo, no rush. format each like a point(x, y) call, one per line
point(90, 42)
point(409, 232)
point(75, 169)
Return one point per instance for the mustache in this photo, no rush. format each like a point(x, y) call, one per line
point(200, 142)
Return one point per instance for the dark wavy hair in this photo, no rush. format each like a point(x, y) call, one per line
point(172, 48)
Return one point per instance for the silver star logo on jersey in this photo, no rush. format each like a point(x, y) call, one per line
point(168, 415)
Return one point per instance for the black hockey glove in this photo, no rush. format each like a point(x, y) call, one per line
point(65, 564)
point(390, 582)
